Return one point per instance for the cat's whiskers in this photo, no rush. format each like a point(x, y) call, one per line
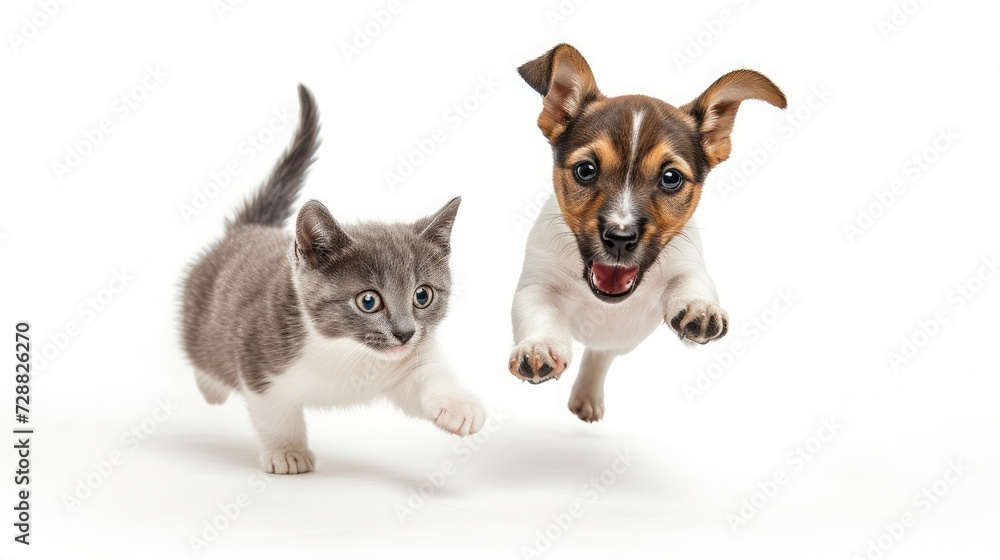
point(346, 366)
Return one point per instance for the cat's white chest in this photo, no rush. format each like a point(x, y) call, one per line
point(332, 372)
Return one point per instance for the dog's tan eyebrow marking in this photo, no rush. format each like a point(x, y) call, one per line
point(601, 148)
point(663, 153)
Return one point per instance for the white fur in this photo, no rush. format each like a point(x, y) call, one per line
point(553, 304)
point(621, 216)
point(342, 373)
point(214, 391)
point(634, 146)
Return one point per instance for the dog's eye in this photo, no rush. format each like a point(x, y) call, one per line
point(368, 301)
point(585, 171)
point(671, 180)
point(422, 297)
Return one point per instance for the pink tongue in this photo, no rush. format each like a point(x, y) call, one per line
point(612, 279)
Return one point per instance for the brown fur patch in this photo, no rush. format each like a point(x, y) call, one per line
point(670, 215)
point(580, 207)
point(608, 156)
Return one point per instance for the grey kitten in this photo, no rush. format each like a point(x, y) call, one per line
point(333, 315)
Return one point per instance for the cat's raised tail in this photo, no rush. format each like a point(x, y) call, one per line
point(272, 203)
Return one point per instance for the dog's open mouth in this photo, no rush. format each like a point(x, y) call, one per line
point(612, 281)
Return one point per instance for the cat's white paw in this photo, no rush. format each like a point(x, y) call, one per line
point(287, 461)
point(537, 360)
point(461, 418)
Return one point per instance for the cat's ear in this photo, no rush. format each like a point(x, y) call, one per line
point(437, 227)
point(317, 234)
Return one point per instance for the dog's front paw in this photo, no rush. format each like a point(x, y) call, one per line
point(462, 418)
point(536, 360)
point(287, 461)
point(698, 320)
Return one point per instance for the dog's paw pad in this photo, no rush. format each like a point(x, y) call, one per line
point(460, 418)
point(698, 321)
point(537, 361)
point(288, 461)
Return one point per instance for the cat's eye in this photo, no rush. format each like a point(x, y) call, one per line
point(671, 180)
point(585, 171)
point(368, 301)
point(422, 296)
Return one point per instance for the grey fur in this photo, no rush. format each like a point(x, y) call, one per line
point(246, 300)
point(271, 205)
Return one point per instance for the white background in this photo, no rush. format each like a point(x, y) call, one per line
point(695, 458)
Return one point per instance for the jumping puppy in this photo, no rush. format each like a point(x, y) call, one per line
point(615, 253)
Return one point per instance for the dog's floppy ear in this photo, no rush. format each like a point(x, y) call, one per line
point(563, 77)
point(715, 109)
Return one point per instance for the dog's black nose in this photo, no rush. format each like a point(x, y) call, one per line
point(403, 336)
point(620, 242)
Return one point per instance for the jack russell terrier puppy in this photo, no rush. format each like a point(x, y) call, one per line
point(615, 253)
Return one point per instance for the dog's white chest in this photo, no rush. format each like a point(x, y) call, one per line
point(552, 257)
point(616, 327)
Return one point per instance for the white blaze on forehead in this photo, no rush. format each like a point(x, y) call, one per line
point(621, 213)
point(636, 125)
point(621, 216)
point(634, 146)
